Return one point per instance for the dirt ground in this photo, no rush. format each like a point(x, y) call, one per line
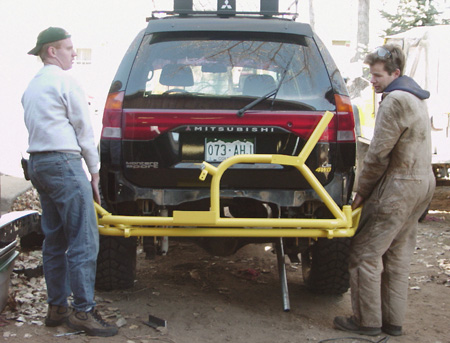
point(238, 298)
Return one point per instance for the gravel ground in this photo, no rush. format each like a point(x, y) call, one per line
point(234, 299)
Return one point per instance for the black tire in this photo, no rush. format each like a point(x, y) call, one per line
point(325, 266)
point(33, 240)
point(116, 263)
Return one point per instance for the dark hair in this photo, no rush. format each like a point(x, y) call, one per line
point(391, 55)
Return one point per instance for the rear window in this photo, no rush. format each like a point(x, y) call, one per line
point(237, 67)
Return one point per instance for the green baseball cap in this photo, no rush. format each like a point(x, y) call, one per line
point(52, 34)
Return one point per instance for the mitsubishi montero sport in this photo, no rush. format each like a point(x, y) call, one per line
point(204, 86)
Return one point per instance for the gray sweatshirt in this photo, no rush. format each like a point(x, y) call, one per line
point(57, 116)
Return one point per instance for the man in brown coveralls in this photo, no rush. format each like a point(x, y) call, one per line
point(396, 185)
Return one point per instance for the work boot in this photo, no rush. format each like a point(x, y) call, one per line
point(57, 315)
point(91, 323)
point(392, 330)
point(349, 324)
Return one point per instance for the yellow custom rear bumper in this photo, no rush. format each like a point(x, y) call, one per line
point(210, 224)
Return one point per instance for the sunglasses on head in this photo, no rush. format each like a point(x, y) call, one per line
point(383, 52)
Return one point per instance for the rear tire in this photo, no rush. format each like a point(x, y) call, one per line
point(325, 266)
point(116, 263)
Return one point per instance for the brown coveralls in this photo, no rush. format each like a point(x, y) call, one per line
point(398, 183)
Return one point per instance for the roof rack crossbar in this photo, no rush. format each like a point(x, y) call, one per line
point(222, 13)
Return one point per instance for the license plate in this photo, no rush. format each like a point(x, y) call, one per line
point(218, 150)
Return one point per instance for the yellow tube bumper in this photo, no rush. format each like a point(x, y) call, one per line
point(210, 224)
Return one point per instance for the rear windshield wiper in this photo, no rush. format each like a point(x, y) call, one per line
point(241, 112)
point(273, 93)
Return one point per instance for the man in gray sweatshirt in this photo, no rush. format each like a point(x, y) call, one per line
point(60, 135)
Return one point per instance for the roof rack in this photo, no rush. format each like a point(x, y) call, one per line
point(227, 8)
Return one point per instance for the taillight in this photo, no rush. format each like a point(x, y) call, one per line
point(112, 116)
point(138, 124)
point(345, 119)
point(340, 129)
point(305, 125)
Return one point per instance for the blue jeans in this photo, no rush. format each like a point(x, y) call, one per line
point(69, 224)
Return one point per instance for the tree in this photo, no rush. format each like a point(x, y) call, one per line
point(312, 19)
point(413, 13)
point(362, 41)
